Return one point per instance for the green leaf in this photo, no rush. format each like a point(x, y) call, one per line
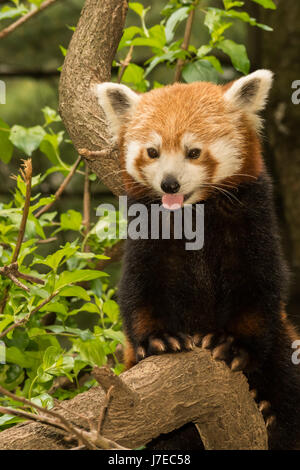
point(50, 146)
point(75, 291)
point(237, 54)
point(137, 8)
point(214, 62)
point(56, 307)
point(148, 42)
point(50, 115)
point(266, 4)
point(203, 50)
point(51, 356)
point(71, 220)
point(67, 277)
point(230, 4)
point(128, 34)
point(9, 12)
point(200, 71)
point(63, 50)
point(116, 335)
point(27, 140)
point(111, 309)
point(91, 351)
point(133, 74)
point(158, 32)
point(213, 18)
point(55, 259)
point(6, 147)
point(173, 21)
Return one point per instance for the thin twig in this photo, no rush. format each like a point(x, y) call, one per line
point(26, 173)
point(25, 18)
point(125, 63)
point(185, 43)
point(86, 204)
point(60, 189)
point(94, 154)
point(12, 271)
point(47, 240)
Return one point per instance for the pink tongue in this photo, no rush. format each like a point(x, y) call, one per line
point(172, 201)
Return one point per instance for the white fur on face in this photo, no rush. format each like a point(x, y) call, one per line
point(227, 154)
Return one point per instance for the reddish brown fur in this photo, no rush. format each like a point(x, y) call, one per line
point(248, 324)
point(198, 108)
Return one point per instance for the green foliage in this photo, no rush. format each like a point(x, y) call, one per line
point(37, 353)
point(19, 8)
point(201, 63)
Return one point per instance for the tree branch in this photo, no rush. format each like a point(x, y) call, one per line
point(60, 190)
point(12, 272)
point(26, 173)
point(86, 204)
point(88, 61)
point(185, 43)
point(25, 18)
point(160, 394)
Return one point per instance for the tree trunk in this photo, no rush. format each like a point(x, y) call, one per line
point(88, 61)
point(160, 394)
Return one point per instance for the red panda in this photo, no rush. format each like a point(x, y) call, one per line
point(183, 145)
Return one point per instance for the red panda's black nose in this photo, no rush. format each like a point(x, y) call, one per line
point(170, 184)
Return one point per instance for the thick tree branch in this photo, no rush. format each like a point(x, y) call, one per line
point(158, 395)
point(88, 61)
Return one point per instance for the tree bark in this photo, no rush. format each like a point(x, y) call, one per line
point(160, 394)
point(88, 61)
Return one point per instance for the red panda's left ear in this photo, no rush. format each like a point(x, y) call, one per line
point(117, 102)
point(250, 93)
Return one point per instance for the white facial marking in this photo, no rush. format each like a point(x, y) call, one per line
point(227, 155)
point(133, 150)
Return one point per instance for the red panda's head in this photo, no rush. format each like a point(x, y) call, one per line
point(184, 141)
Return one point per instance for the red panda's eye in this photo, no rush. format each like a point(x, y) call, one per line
point(152, 152)
point(193, 154)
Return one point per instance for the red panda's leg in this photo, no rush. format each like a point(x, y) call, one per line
point(147, 336)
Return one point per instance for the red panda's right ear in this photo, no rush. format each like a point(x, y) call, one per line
point(117, 101)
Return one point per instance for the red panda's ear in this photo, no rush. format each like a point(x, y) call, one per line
point(117, 101)
point(250, 93)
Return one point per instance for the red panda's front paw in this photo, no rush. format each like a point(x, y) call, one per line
point(225, 348)
point(164, 343)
